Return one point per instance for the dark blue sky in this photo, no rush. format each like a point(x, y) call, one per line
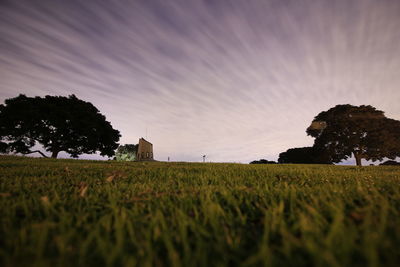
point(235, 80)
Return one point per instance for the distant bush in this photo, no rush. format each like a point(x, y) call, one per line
point(126, 152)
point(262, 161)
point(390, 163)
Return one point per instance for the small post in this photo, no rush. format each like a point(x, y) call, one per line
point(204, 158)
point(168, 159)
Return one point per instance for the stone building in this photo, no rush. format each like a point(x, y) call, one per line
point(145, 150)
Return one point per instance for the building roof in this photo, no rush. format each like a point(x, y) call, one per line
point(145, 140)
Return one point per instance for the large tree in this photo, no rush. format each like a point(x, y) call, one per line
point(58, 123)
point(361, 131)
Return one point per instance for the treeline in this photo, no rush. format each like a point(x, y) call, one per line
point(299, 155)
point(68, 124)
point(346, 131)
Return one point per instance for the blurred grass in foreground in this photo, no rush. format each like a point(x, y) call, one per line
point(71, 212)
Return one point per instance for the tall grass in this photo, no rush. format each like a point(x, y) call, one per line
point(70, 212)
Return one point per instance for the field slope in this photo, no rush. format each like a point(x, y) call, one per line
point(71, 212)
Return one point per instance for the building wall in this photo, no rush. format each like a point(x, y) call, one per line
point(145, 150)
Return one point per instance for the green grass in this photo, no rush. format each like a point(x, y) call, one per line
point(70, 212)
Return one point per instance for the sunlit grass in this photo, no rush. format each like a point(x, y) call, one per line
point(70, 212)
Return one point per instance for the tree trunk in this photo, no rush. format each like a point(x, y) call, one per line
point(358, 159)
point(54, 154)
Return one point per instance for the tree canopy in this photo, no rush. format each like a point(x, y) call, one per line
point(361, 131)
point(304, 155)
point(58, 123)
point(126, 152)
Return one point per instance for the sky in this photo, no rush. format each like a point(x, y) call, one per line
point(233, 80)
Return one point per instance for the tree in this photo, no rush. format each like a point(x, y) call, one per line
point(126, 152)
point(304, 155)
point(58, 123)
point(361, 131)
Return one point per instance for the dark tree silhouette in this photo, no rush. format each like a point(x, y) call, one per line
point(304, 155)
point(262, 161)
point(390, 163)
point(58, 123)
point(361, 131)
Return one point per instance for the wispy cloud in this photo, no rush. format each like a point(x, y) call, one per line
point(235, 80)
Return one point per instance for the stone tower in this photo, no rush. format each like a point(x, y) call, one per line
point(145, 150)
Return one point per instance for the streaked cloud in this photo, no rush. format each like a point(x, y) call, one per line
point(235, 80)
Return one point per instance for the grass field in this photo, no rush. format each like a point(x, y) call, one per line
point(71, 212)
